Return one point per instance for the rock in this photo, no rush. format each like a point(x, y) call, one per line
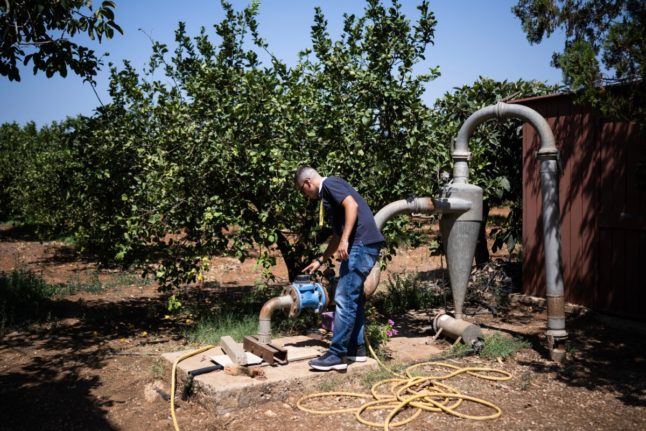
point(154, 390)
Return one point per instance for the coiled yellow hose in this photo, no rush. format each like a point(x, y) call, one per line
point(423, 393)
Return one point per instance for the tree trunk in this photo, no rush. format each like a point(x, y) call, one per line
point(300, 254)
point(290, 256)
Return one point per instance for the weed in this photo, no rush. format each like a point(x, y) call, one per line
point(209, 330)
point(23, 297)
point(457, 350)
point(76, 285)
point(330, 384)
point(157, 369)
point(408, 292)
point(372, 377)
point(26, 298)
point(497, 345)
point(174, 304)
point(525, 380)
point(126, 278)
point(284, 325)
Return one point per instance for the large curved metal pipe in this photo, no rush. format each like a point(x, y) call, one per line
point(461, 152)
point(413, 205)
point(264, 321)
point(548, 156)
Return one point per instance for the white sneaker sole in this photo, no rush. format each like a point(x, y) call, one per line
point(331, 367)
point(357, 358)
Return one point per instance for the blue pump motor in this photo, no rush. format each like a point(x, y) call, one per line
point(306, 294)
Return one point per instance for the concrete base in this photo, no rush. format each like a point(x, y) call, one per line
point(222, 393)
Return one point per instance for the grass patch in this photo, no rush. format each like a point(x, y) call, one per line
point(457, 350)
point(157, 369)
point(497, 345)
point(76, 285)
point(26, 298)
point(126, 278)
point(330, 384)
point(209, 330)
point(23, 298)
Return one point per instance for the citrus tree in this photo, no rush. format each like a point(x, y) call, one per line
point(201, 161)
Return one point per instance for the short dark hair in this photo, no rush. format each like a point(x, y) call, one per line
point(304, 172)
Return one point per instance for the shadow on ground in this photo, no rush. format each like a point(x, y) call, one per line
point(51, 370)
point(601, 357)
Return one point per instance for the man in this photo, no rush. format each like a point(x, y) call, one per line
point(357, 242)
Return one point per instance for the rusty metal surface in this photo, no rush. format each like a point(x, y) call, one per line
point(270, 353)
point(556, 305)
point(603, 211)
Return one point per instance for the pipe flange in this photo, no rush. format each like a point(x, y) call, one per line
point(547, 153)
point(436, 318)
point(460, 155)
point(295, 308)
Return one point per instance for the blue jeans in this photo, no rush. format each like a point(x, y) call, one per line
point(350, 317)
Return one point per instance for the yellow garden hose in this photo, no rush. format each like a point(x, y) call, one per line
point(423, 393)
point(173, 378)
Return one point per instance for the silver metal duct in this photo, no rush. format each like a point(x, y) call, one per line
point(454, 328)
point(548, 156)
point(409, 206)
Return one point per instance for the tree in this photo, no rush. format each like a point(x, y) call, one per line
point(36, 167)
point(496, 150)
point(195, 155)
point(202, 162)
point(605, 44)
point(40, 32)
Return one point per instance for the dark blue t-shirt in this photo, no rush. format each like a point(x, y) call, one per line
point(333, 192)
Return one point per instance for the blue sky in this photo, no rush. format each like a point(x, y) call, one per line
point(472, 38)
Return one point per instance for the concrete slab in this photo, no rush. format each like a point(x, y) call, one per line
point(222, 393)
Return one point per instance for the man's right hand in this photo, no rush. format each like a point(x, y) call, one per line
point(315, 265)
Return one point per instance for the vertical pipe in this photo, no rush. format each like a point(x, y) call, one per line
point(552, 246)
point(548, 155)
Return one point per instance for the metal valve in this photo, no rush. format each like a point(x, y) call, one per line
point(306, 294)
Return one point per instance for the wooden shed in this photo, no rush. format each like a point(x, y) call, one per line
point(602, 209)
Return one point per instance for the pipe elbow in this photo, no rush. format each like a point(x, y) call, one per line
point(279, 302)
point(548, 148)
point(413, 205)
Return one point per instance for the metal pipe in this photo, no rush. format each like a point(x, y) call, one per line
point(412, 205)
point(548, 156)
point(264, 321)
point(461, 152)
point(454, 328)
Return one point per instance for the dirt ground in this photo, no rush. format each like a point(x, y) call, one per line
point(96, 365)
